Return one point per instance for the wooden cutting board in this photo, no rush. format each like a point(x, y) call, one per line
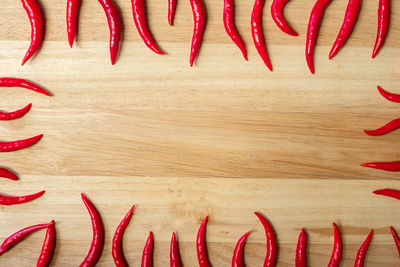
point(224, 138)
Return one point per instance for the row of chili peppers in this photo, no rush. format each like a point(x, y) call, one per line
point(96, 247)
point(393, 125)
point(199, 16)
point(19, 144)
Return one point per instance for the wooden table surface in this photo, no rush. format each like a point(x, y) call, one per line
point(224, 138)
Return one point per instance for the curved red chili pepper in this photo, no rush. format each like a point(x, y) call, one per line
point(337, 248)
point(230, 27)
point(14, 82)
point(383, 25)
point(20, 144)
point(15, 238)
point(389, 96)
point(139, 16)
point(363, 251)
point(34, 13)
point(201, 245)
point(237, 259)
point(13, 200)
point(257, 32)
point(48, 246)
point(114, 23)
point(270, 257)
point(98, 235)
point(72, 18)
point(312, 31)
point(387, 128)
point(388, 192)
point(147, 257)
point(396, 239)
point(199, 18)
point(301, 255)
point(171, 10)
point(7, 116)
point(277, 14)
point(175, 259)
point(350, 19)
point(117, 252)
point(8, 174)
point(393, 166)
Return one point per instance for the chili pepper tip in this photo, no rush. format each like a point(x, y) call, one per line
point(5, 173)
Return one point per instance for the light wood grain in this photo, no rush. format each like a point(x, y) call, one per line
point(224, 138)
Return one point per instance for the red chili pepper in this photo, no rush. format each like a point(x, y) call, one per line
point(277, 14)
point(175, 259)
point(171, 10)
point(363, 250)
point(396, 239)
point(199, 18)
point(350, 19)
point(301, 254)
point(14, 82)
point(15, 238)
point(72, 18)
point(12, 200)
point(8, 174)
point(114, 23)
point(147, 257)
point(7, 116)
point(257, 32)
point(117, 251)
point(237, 259)
point(20, 144)
point(389, 96)
point(270, 257)
point(139, 16)
point(98, 235)
point(383, 25)
point(387, 128)
point(393, 166)
point(230, 27)
point(32, 9)
point(337, 248)
point(388, 192)
point(312, 31)
point(201, 245)
point(48, 246)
